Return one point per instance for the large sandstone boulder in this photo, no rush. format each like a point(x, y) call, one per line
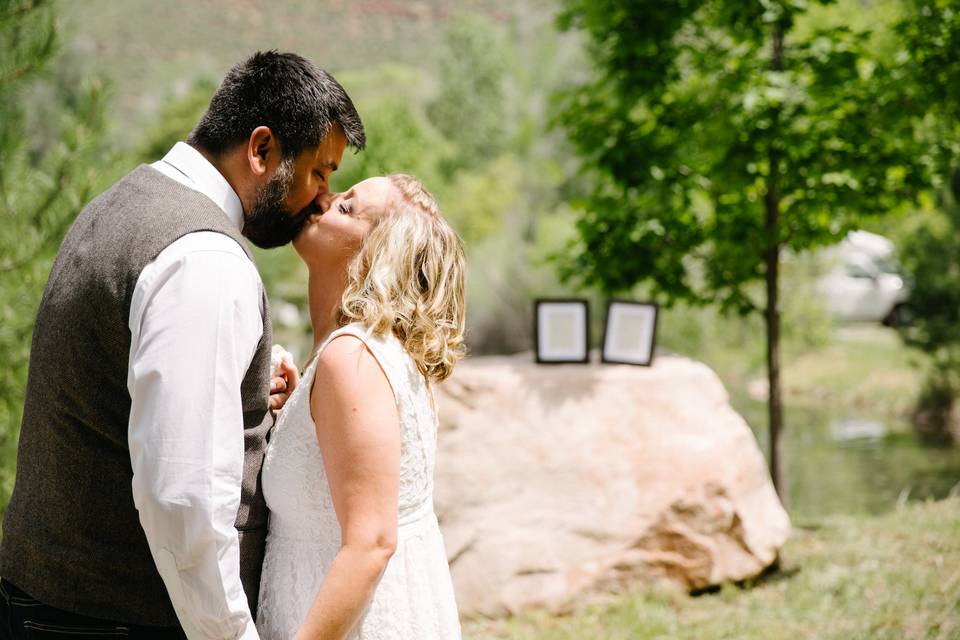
point(557, 482)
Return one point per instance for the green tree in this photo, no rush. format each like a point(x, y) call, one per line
point(720, 134)
point(931, 254)
point(930, 250)
point(44, 182)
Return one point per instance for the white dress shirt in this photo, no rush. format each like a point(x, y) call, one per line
point(195, 322)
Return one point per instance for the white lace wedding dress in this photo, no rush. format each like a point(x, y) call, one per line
point(414, 599)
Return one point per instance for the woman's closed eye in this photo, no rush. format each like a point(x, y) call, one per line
point(345, 208)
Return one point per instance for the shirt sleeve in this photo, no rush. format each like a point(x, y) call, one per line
point(195, 324)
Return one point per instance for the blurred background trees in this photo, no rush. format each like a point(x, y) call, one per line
point(53, 159)
point(930, 239)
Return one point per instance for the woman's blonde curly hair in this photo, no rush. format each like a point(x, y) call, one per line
point(408, 277)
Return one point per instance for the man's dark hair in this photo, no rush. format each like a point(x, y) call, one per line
point(283, 91)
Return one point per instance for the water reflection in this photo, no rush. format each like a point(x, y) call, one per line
point(846, 429)
point(853, 465)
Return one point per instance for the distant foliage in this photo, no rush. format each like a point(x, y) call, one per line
point(177, 118)
point(469, 106)
point(930, 249)
point(399, 139)
point(931, 33)
point(931, 254)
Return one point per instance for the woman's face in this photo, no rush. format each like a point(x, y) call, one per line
point(331, 239)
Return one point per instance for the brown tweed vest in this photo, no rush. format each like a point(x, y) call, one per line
point(71, 535)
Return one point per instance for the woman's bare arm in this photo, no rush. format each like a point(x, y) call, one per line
point(359, 434)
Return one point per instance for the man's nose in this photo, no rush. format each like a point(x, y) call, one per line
point(325, 200)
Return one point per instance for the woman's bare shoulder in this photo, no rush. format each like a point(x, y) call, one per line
point(349, 372)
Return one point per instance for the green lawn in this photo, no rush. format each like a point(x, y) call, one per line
point(895, 576)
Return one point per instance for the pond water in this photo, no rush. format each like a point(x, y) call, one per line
point(853, 465)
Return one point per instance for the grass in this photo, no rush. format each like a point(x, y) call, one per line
point(895, 576)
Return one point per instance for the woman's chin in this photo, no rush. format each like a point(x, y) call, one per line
point(303, 246)
point(313, 250)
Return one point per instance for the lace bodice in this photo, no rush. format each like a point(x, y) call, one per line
point(304, 533)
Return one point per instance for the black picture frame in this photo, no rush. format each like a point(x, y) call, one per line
point(609, 354)
point(574, 355)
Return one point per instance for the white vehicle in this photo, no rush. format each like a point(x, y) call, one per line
point(864, 283)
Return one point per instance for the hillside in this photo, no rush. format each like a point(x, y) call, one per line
point(150, 50)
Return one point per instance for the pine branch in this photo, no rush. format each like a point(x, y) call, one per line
point(23, 9)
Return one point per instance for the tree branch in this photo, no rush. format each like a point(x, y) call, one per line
point(17, 73)
point(51, 196)
point(23, 9)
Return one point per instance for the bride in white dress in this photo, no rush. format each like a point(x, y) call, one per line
point(354, 550)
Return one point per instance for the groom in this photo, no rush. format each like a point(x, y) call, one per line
point(137, 509)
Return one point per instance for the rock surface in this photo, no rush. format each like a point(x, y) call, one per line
point(557, 482)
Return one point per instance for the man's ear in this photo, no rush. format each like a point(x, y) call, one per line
point(262, 150)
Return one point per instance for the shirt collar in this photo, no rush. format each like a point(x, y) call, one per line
point(206, 179)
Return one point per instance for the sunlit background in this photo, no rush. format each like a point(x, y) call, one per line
point(474, 98)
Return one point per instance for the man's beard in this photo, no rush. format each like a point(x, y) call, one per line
point(270, 222)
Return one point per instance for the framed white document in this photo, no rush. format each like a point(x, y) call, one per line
point(561, 330)
point(630, 333)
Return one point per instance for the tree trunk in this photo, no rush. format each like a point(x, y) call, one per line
point(772, 318)
point(772, 312)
